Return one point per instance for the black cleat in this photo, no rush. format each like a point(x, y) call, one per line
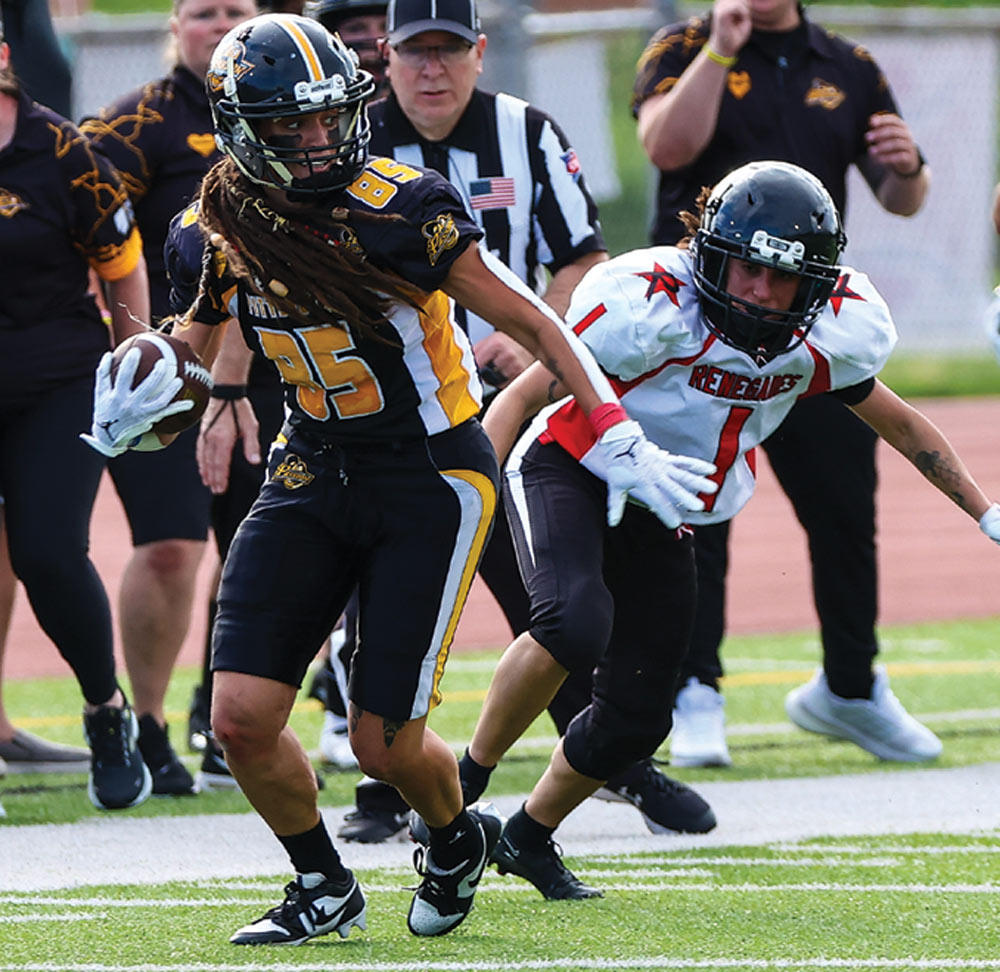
point(373, 826)
point(666, 805)
point(444, 898)
point(199, 725)
point(543, 868)
point(118, 776)
point(170, 776)
point(214, 773)
point(313, 906)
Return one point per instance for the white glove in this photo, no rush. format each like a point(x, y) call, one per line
point(989, 523)
point(122, 414)
point(666, 483)
point(992, 322)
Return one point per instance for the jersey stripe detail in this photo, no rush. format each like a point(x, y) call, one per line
point(820, 381)
point(119, 261)
point(589, 319)
point(478, 499)
point(305, 46)
point(447, 360)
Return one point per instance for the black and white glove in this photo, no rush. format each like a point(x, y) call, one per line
point(989, 523)
point(123, 414)
point(668, 484)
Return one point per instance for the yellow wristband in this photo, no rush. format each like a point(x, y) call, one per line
point(719, 58)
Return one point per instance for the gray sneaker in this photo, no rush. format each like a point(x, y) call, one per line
point(880, 724)
point(698, 737)
point(28, 753)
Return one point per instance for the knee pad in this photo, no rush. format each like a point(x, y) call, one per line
point(575, 629)
point(600, 743)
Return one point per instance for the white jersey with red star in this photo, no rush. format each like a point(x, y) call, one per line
point(692, 393)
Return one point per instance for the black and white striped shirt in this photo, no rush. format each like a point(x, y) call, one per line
point(519, 177)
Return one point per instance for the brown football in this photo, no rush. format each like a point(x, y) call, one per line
point(196, 377)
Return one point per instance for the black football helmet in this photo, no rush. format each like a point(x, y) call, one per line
point(777, 215)
point(332, 14)
point(280, 65)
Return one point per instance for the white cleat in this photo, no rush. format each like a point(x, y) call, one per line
point(698, 737)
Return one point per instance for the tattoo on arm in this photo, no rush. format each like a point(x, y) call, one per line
point(553, 366)
point(354, 715)
point(552, 396)
point(937, 469)
point(389, 731)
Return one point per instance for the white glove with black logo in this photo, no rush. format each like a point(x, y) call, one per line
point(123, 414)
point(989, 523)
point(668, 484)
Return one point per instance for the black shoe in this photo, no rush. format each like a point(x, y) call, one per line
point(543, 868)
point(372, 826)
point(214, 773)
point(118, 776)
point(444, 897)
point(170, 777)
point(313, 906)
point(666, 805)
point(199, 720)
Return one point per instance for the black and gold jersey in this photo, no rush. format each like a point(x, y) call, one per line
point(161, 140)
point(420, 378)
point(62, 209)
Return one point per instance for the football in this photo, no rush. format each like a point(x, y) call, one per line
point(196, 377)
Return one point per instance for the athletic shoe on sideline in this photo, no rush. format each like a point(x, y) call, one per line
point(880, 724)
point(313, 906)
point(334, 744)
point(118, 776)
point(543, 867)
point(214, 772)
point(199, 726)
point(170, 776)
point(666, 805)
point(699, 734)
point(28, 753)
point(444, 897)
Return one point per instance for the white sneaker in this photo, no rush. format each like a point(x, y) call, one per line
point(699, 734)
point(334, 745)
point(880, 724)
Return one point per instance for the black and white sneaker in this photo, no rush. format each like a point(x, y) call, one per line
point(666, 805)
point(543, 867)
point(214, 772)
point(170, 775)
point(313, 906)
point(444, 897)
point(119, 777)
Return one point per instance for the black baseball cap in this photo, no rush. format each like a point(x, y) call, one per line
point(405, 18)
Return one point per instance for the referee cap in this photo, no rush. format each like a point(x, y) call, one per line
point(405, 18)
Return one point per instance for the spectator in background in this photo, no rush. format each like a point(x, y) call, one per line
point(27, 27)
point(161, 139)
point(65, 213)
point(756, 79)
point(523, 184)
point(360, 24)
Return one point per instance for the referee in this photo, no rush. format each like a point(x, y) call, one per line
point(523, 184)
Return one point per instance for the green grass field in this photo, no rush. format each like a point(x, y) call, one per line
point(902, 902)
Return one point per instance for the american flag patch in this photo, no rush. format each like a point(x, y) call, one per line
point(495, 193)
point(572, 164)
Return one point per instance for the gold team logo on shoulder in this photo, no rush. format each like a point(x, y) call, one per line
point(738, 83)
point(292, 471)
point(441, 234)
point(822, 94)
point(11, 203)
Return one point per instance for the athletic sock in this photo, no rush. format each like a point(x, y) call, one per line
point(314, 851)
point(475, 777)
point(454, 843)
point(524, 831)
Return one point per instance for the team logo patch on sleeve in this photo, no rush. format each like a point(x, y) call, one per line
point(494, 193)
point(662, 282)
point(11, 203)
point(842, 292)
point(572, 164)
point(292, 471)
point(441, 234)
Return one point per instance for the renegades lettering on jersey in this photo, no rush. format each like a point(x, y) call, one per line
point(740, 388)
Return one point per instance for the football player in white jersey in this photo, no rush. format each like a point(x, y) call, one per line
point(708, 345)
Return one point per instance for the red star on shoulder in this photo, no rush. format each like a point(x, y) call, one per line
point(842, 292)
point(661, 282)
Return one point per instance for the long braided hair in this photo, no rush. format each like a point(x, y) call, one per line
point(307, 263)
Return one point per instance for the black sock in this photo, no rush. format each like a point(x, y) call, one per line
point(456, 842)
point(475, 778)
point(857, 686)
point(526, 832)
point(314, 851)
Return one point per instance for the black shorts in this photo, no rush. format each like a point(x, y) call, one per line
point(162, 492)
point(405, 522)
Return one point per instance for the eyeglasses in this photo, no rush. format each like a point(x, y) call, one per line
point(417, 55)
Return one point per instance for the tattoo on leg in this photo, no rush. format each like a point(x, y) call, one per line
point(389, 730)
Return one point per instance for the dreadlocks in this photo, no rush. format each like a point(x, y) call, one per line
point(316, 259)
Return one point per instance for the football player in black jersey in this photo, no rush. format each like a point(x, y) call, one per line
point(339, 269)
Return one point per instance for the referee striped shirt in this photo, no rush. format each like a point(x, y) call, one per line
point(519, 177)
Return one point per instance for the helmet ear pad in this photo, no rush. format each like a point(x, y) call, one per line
point(776, 215)
point(280, 66)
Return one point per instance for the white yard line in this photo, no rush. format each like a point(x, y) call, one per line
point(117, 849)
